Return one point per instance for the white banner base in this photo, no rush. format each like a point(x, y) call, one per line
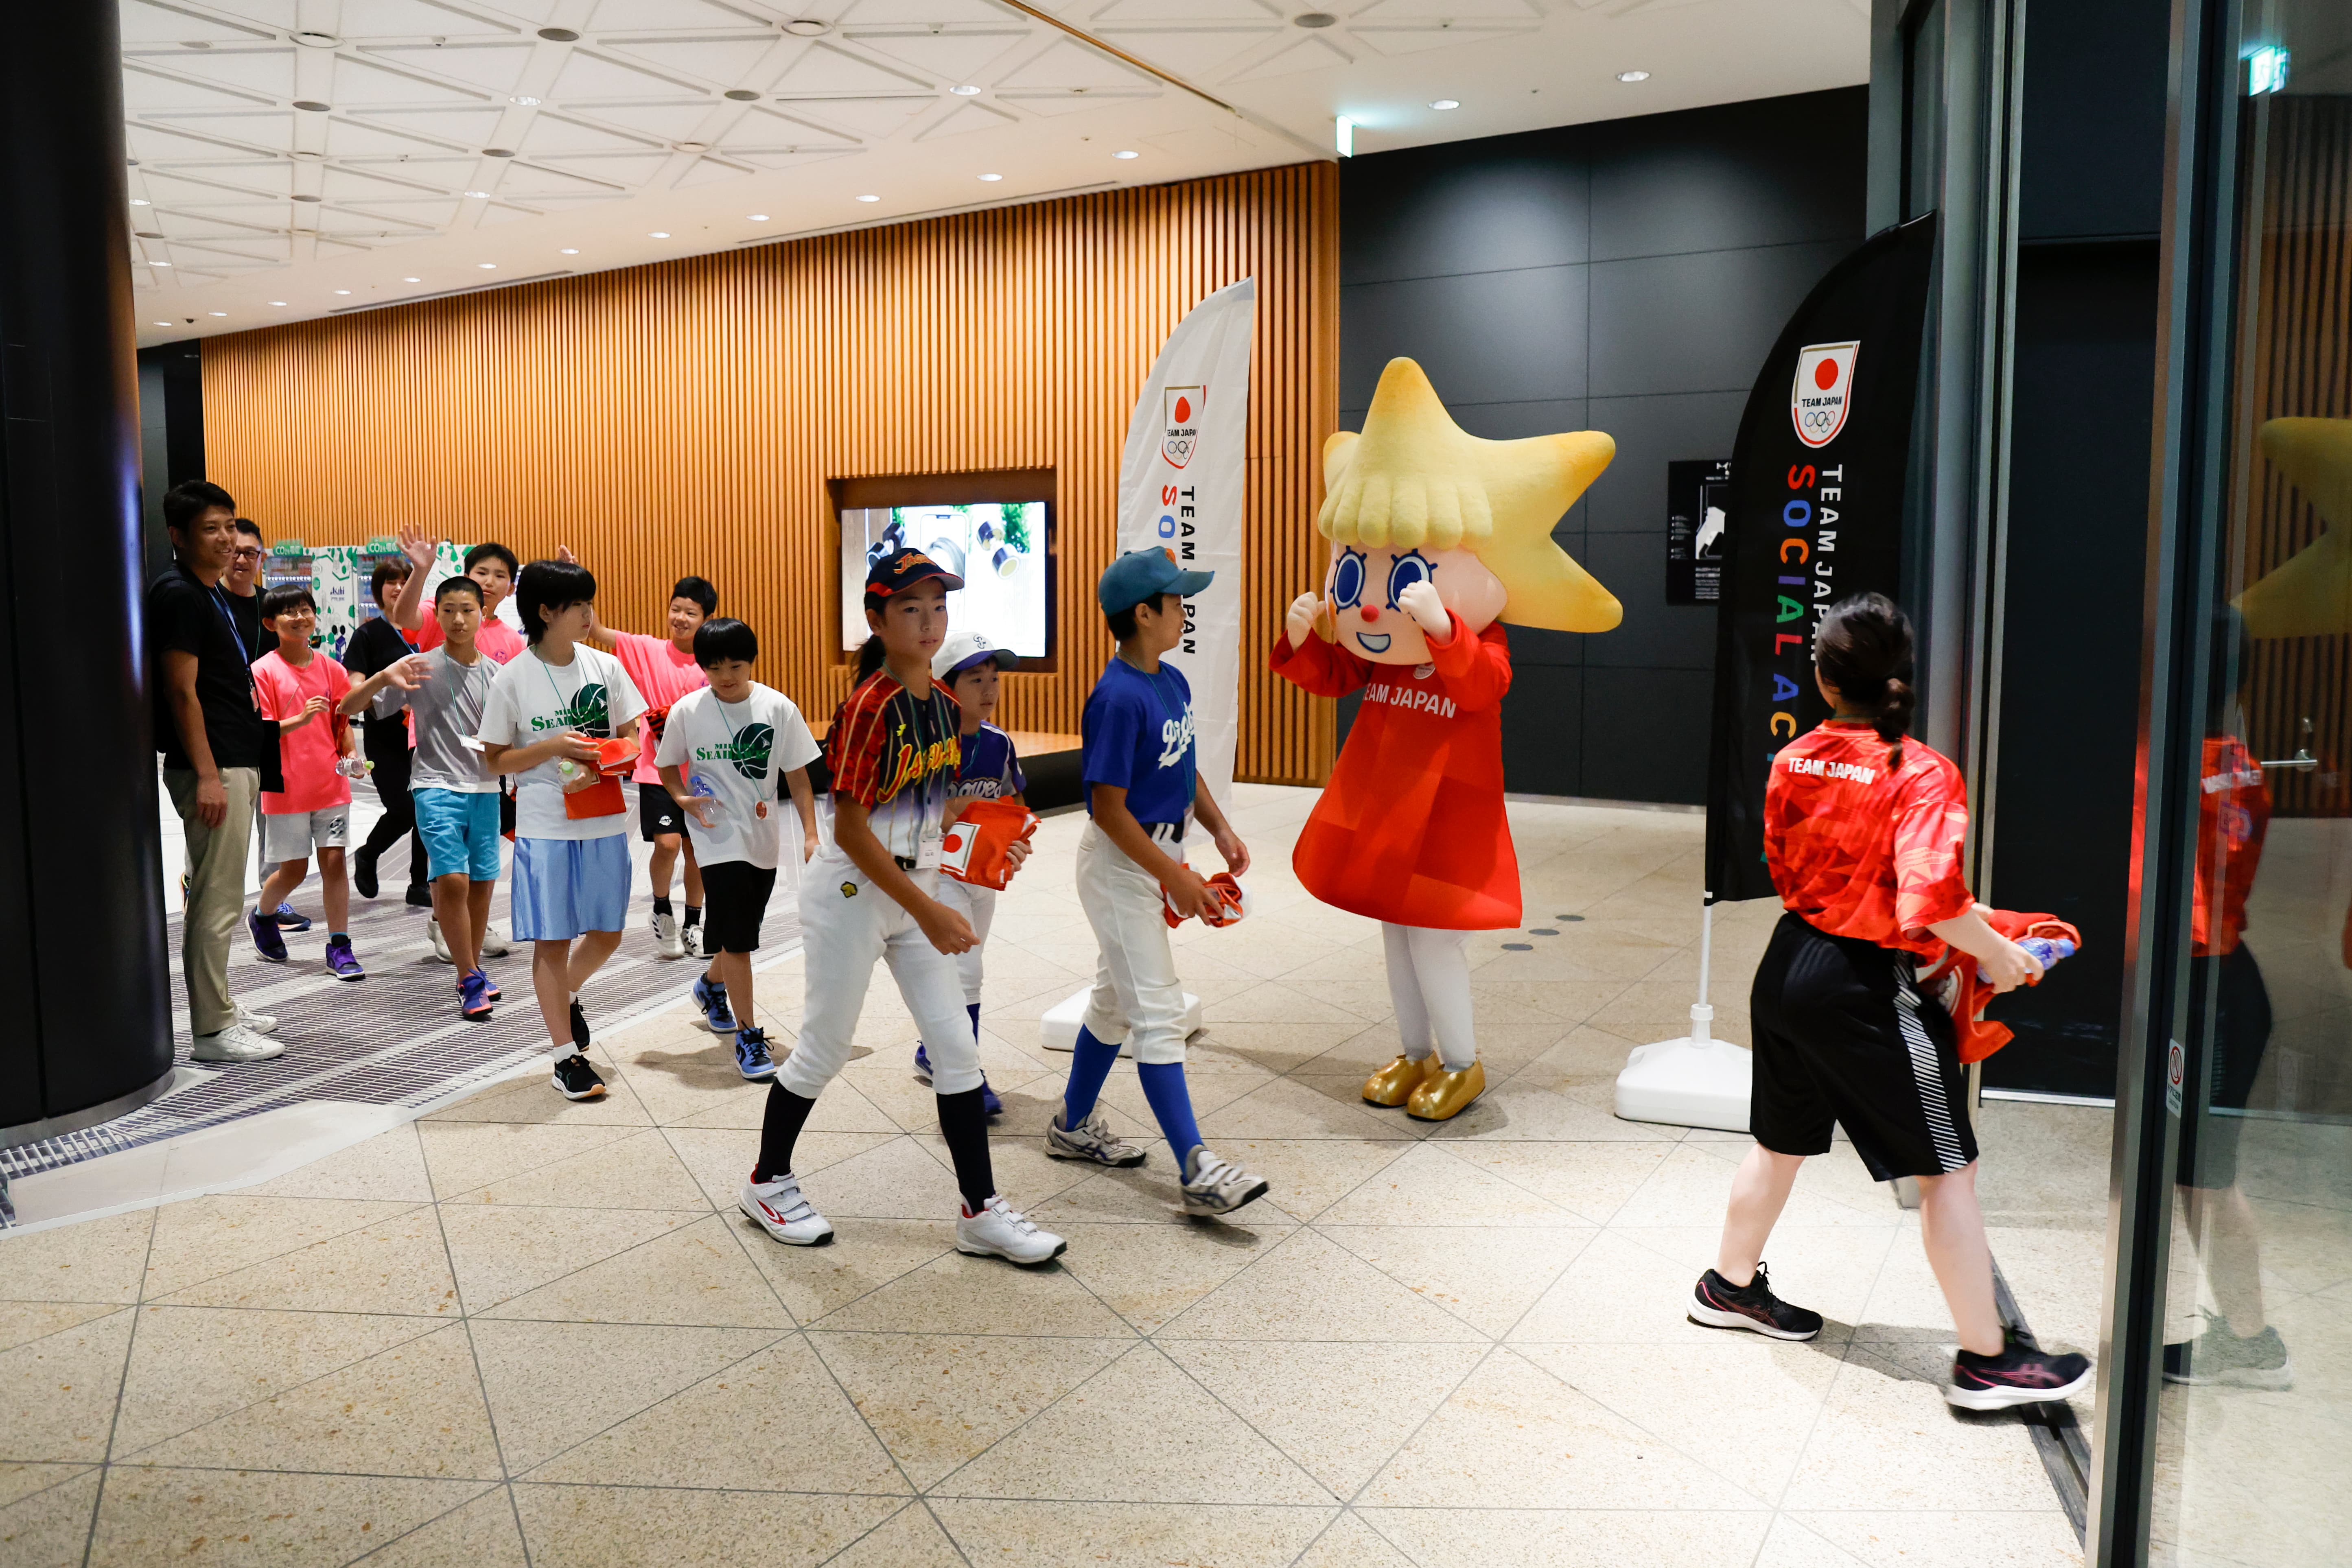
point(1695, 1081)
point(1059, 1029)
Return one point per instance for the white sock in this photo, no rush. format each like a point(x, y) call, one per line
point(575, 998)
point(565, 1048)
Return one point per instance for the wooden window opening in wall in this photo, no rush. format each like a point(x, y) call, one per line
point(953, 489)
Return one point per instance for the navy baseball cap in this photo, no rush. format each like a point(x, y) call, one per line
point(901, 570)
point(1147, 573)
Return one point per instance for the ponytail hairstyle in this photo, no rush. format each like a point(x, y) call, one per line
point(1863, 650)
point(869, 659)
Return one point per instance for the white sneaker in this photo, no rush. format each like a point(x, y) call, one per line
point(494, 943)
point(259, 1023)
point(440, 948)
point(665, 940)
point(690, 941)
point(783, 1213)
point(1000, 1230)
point(1092, 1140)
point(1212, 1185)
point(236, 1044)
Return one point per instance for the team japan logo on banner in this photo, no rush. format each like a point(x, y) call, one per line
point(1823, 391)
point(1185, 405)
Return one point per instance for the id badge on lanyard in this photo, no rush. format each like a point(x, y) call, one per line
point(928, 851)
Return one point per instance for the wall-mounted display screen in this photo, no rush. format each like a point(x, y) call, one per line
point(998, 548)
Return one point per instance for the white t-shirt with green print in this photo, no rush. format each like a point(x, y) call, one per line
point(740, 752)
point(532, 700)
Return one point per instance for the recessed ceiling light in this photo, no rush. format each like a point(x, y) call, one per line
point(312, 106)
point(559, 35)
point(278, 302)
point(757, 217)
point(869, 198)
point(991, 178)
point(571, 250)
point(966, 90)
point(216, 312)
point(1343, 137)
point(159, 264)
point(1126, 153)
point(162, 324)
point(524, 99)
point(740, 95)
point(138, 201)
point(659, 234)
point(486, 265)
point(1633, 76)
point(343, 290)
point(1445, 103)
point(478, 196)
point(316, 40)
point(804, 27)
point(411, 280)
point(693, 146)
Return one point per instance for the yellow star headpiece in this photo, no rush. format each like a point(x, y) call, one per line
point(1414, 480)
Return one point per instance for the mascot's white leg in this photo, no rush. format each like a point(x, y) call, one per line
point(1429, 986)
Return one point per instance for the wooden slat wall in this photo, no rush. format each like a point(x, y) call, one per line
point(685, 417)
point(2300, 365)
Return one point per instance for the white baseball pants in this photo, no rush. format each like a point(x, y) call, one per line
point(977, 905)
point(1137, 998)
point(847, 923)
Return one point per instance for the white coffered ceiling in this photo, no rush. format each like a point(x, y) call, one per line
point(295, 158)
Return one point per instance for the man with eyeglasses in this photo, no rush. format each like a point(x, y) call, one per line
point(242, 584)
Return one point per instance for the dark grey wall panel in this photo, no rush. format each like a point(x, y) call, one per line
point(2093, 143)
point(1516, 201)
point(1486, 337)
point(1627, 276)
point(1699, 321)
point(1649, 433)
point(1645, 734)
point(1772, 171)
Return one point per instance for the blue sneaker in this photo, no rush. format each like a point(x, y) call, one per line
point(711, 997)
point(474, 997)
point(289, 919)
point(752, 1057)
point(266, 941)
point(988, 1100)
point(922, 1062)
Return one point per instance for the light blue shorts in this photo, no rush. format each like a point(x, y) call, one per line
point(460, 832)
point(566, 888)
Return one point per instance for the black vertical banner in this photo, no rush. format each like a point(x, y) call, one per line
point(1816, 514)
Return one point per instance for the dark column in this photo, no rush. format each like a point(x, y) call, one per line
point(84, 999)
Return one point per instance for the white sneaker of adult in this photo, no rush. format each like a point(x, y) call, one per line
point(1213, 1186)
point(665, 940)
point(494, 943)
point(440, 948)
point(783, 1213)
point(259, 1023)
point(1000, 1230)
point(236, 1044)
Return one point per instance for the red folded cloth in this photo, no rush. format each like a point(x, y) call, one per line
point(1231, 903)
point(978, 844)
point(1954, 980)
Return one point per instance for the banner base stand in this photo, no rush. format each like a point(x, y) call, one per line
point(1058, 1030)
point(1694, 1081)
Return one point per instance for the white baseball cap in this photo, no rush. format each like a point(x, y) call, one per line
point(964, 650)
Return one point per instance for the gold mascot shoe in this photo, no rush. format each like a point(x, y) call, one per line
point(1444, 1095)
point(1395, 1084)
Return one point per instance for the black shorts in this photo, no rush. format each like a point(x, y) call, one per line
point(1842, 1036)
point(658, 814)
point(2229, 1020)
point(734, 898)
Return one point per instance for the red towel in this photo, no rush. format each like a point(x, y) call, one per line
point(1954, 980)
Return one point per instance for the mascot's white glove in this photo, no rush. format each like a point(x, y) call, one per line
point(1421, 602)
point(1299, 622)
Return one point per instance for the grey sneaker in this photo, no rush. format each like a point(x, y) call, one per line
point(1093, 1141)
point(1213, 1186)
point(2216, 1355)
point(494, 943)
point(236, 1044)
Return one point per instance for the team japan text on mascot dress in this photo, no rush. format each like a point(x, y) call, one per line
point(1435, 536)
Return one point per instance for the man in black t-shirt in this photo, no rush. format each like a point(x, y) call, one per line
point(376, 646)
point(219, 754)
point(242, 584)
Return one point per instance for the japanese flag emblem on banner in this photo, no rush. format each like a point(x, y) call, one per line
point(1823, 391)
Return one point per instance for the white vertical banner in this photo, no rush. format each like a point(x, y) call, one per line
point(1179, 487)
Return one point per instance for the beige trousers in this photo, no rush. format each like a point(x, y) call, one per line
point(216, 859)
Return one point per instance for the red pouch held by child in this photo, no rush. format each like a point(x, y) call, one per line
point(978, 844)
point(1231, 903)
point(603, 798)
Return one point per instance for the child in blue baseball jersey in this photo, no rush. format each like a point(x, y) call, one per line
point(1142, 794)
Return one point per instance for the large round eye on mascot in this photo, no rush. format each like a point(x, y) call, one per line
point(1437, 536)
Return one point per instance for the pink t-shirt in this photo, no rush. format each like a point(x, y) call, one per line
point(498, 641)
point(309, 754)
point(663, 676)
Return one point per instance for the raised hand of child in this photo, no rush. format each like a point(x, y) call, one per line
point(421, 548)
point(408, 673)
point(1299, 621)
point(1421, 602)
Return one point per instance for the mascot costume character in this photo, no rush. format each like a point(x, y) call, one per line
point(1435, 536)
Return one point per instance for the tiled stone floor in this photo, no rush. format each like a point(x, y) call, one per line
point(528, 1332)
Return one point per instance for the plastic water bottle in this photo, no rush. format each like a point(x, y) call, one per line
point(353, 767)
point(2048, 950)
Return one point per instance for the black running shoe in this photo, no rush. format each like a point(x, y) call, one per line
point(2023, 1374)
point(1719, 1304)
point(2216, 1355)
point(363, 872)
point(575, 1079)
point(578, 1025)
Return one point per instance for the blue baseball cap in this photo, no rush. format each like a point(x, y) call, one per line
point(1147, 573)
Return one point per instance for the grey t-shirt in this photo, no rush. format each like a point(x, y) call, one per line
point(448, 710)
